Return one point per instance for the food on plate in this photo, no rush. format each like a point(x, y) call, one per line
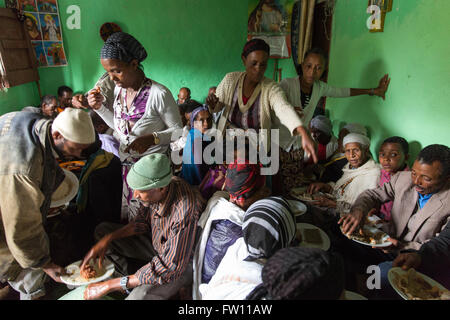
point(312, 236)
point(369, 236)
point(88, 272)
point(373, 221)
point(415, 287)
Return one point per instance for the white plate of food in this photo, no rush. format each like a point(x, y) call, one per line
point(311, 236)
point(413, 285)
point(297, 207)
point(95, 274)
point(370, 236)
point(350, 295)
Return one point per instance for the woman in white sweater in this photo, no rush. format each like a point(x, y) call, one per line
point(360, 173)
point(144, 112)
point(251, 101)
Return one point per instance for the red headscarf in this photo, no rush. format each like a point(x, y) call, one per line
point(243, 179)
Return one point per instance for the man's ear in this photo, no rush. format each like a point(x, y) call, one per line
point(56, 136)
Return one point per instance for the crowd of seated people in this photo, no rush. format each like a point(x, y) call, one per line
point(206, 228)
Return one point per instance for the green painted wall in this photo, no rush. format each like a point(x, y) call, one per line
point(195, 42)
point(191, 43)
point(414, 49)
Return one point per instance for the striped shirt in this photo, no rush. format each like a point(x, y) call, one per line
point(173, 225)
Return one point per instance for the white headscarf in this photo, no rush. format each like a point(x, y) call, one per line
point(356, 138)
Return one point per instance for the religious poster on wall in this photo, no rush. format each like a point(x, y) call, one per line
point(44, 28)
point(270, 20)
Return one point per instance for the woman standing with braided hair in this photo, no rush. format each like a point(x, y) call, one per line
point(145, 112)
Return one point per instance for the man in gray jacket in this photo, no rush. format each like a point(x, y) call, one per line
point(29, 174)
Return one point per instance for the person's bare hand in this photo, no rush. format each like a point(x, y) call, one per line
point(351, 221)
point(141, 144)
point(96, 290)
point(308, 144)
point(408, 260)
point(98, 251)
point(383, 86)
point(395, 244)
point(212, 101)
point(324, 202)
point(95, 99)
point(54, 271)
point(79, 101)
point(318, 186)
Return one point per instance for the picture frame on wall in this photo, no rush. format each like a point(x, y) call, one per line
point(384, 5)
point(378, 22)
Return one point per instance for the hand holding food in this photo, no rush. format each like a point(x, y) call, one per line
point(98, 251)
point(95, 98)
point(79, 101)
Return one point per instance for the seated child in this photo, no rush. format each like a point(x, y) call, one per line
point(194, 168)
point(393, 156)
point(185, 112)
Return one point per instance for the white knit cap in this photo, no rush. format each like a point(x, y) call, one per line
point(356, 138)
point(356, 128)
point(75, 125)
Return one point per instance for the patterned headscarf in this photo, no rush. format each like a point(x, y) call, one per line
point(124, 47)
point(269, 225)
point(243, 180)
point(195, 112)
point(298, 273)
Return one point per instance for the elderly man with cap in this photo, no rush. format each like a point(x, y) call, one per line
point(161, 238)
point(359, 174)
point(30, 145)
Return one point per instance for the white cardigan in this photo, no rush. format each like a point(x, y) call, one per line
point(365, 177)
point(161, 116)
point(291, 87)
point(274, 106)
